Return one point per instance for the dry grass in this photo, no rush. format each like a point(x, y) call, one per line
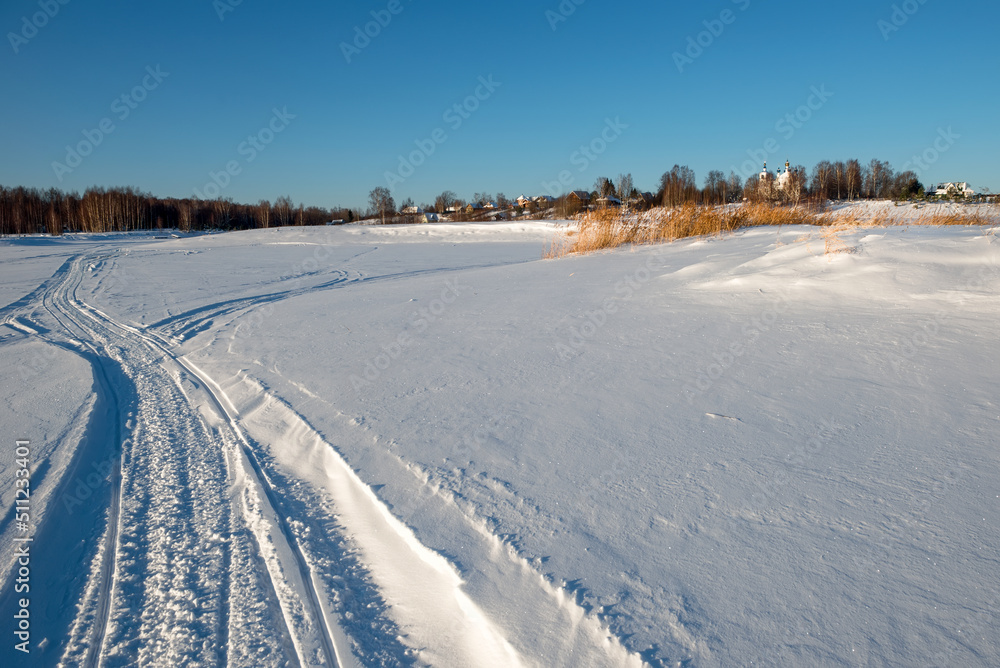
point(833, 243)
point(611, 228)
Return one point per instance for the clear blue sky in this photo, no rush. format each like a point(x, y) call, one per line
point(892, 92)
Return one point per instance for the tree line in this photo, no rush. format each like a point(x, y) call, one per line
point(33, 211)
point(829, 180)
point(840, 180)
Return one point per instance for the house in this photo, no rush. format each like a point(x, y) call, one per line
point(608, 202)
point(545, 201)
point(475, 207)
point(523, 201)
point(490, 206)
point(642, 200)
point(412, 211)
point(954, 189)
point(581, 196)
point(430, 218)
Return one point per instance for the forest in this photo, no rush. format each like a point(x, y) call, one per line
point(122, 209)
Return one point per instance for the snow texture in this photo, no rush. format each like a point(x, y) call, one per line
point(424, 445)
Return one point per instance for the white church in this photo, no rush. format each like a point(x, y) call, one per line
point(781, 181)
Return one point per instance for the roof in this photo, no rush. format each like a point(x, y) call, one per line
point(581, 194)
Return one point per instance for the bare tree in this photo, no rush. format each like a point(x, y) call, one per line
point(715, 188)
point(752, 188)
point(678, 186)
point(734, 188)
point(624, 186)
point(283, 207)
point(381, 201)
point(821, 180)
point(604, 187)
point(224, 211)
point(445, 201)
point(880, 180)
point(264, 213)
point(794, 185)
point(853, 179)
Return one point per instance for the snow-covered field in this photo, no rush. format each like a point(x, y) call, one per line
point(424, 445)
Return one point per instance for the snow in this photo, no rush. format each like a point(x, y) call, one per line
point(426, 445)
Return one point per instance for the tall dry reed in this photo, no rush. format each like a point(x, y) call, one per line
point(611, 228)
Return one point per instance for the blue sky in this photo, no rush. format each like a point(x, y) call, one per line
point(898, 80)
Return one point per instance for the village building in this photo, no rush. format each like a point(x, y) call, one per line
point(784, 177)
point(954, 188)
point(781, 181)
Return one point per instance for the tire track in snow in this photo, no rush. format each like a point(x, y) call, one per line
point(424, 589)
point(53, 298)
point(175, 606)
point(61, 304)
point(182, 326)
point(332, 642)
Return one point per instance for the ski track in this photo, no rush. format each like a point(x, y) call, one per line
point(236, 535)
point(190, 596)
point(162, 577)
